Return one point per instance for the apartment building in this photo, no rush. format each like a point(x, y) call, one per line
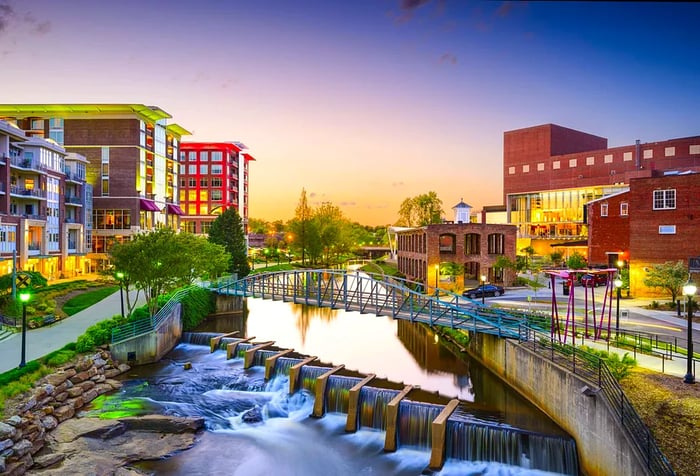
point(551, 172)
point(43, 204)
point(132, 154)
point(213, 178)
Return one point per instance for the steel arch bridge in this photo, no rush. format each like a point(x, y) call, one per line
point(375, 294)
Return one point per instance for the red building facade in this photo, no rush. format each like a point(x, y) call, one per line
point(213, 178)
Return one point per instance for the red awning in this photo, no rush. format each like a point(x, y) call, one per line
point(148, 205)
point(174, 209)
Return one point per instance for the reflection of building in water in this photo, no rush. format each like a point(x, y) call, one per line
point(225, 322)
point(423, 344)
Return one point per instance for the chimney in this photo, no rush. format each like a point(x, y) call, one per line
point(483, 216)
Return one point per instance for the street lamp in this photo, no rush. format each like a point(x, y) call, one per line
point(483, 294)
point(437, 278)
point(24, 297)
point(120, 277)
point(618, 286)
point(689, 290)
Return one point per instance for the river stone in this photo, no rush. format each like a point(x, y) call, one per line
point(22, 447)
point(7, 431)
point(49, 422)
point(254, 415)
point(164, 424)
point(75, 391)
point(14, 420)
point(2, 464)
point(44, 461)
point(4, 444)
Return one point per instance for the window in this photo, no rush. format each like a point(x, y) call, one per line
point(497, 244)
point(694, 149)
point(603, 209)
point(192, 156)
point(667, 229)
point(472, 244)
point(556, 165)
point(447, 243)
point(182, 169)
point(624, 209)
point(204, 156)
point(511, 170)
point(216, 195)
point(203, 169)
point(670, 151)
point(192, 169)
point(664, 199)
point(540, 167)
point(216, 169)
point(192, 182)
point(526, 169)
point(648, 153)
point(217, 156)
point(591, 160)
point(204, 182)
point(216, 181)
point(572, 163)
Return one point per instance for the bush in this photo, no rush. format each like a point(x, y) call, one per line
point(196, 306)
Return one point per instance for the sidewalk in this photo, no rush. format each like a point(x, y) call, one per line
point(44, 340)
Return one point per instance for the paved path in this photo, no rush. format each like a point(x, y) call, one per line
point(46, 339)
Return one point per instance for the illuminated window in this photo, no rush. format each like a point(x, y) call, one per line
point(603, 209)
point(624, 209)
point(670, 151)
point(540, 167)
point(203, 195)
point(556, 165)
point(572, 163)
point(627, 156)
point(590, 160)
point(192, 195)
point(649, 153)
point(511, 170)
point(526, 168)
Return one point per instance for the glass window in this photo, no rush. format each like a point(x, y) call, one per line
point(216, 169)
point(204, 182)
point(204, 156)
point(217, 156)
point(216, 182)
point(603, 209)
point(472, 244)
point(624, 209)
point(664, 199)
point(192, 156)
point(216, 195)
point(192, 169)
point(192, 182)
point(496, 242)
point(203, 169)
point(203, 195)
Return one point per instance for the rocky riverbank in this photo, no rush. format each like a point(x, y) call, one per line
point(46, 434)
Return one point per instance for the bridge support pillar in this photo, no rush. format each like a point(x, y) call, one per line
point(392, 419)
point(270, 362)
point(294, 372)
point(231, 348)
point(439, 429)
point(353, 403)
point(320, 401)
point(249, 356)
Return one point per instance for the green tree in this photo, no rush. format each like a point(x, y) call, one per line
point(227, 231)
point(529, 252)
point(301, 226)
point(329, 222)
point(556, 257)
point(669, 277)
point(256, 225)
point(576, 261)
point(421, 210)
point(160, 261)
point(451, 269)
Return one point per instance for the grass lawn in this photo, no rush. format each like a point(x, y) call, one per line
point(87, 299)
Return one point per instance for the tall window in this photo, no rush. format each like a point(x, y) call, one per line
point(624, 209)
point(664, 199)
point(603, 209)
point(216, 169)
point(472, 244)
point(447, 243)
point(204, 156)
point(217, 156)
point(497, 244)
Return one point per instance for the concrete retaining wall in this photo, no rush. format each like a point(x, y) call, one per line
point(603, 445)
point(151, 347)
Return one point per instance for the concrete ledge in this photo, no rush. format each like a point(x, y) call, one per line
point(270, 362)
point(294, 372)
point(320, 401)
point(353, 402)
point(231, 348)
point(392, 418)
point(249, 355)
point(439, 430)
point(214, 341)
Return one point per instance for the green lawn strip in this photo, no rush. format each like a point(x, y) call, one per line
point(85, 300)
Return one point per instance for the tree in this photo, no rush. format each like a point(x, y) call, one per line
point(329, 222)
point(227, 231)
point(529, 252)
point(451, 269)
point(161, 261)
point(576, 261)
point(669, 277)
point(421, 210)
point(256, 225)
point(556, 257)
point(301, 227)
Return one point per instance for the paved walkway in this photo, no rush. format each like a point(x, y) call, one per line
point(44, 340)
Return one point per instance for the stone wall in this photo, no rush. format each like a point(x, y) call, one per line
point(54, 399)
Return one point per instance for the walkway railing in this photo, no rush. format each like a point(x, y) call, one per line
point(593, 370)
point(144, 326)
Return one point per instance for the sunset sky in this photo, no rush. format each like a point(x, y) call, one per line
point(366, 102)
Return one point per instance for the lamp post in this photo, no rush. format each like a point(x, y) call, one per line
point(120, 277)
point(437, 278)
point(24, 297)
point(483, 283)
point(689, 290)
point(618, 287)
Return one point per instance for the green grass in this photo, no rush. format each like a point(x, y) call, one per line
point(85, 300)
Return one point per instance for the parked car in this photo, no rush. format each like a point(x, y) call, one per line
point(486, 290)
point(593, 280)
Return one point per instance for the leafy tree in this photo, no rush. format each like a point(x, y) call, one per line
point(160, 261)
point(300, 226)
point(256, 225)
point(227, 231)
point(451, 269)
point(556, 257)
point(329, 222)
point(669, 277)
point(576, 261)
point(529, 252)
point(424, 209)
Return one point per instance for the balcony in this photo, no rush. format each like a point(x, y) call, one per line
point(71, 220)
point(73, 177)
point(34, 248)
point(26, 164)
point(74, 201)
point(29, 193)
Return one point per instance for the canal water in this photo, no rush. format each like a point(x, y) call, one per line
point(254, 427)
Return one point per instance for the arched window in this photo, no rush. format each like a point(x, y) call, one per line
point(448, 242)
point(497, 244)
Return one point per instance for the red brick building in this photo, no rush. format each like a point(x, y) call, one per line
point(656, 221)
point(213, 178)
point(424, 252)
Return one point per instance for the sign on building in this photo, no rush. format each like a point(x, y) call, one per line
point(694, 264)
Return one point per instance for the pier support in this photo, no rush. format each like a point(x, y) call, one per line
point(294, 372)
point(320, 401)
point(249, 355)
point(439, 429)
point(353, 403)
point(392, 419)
point(270, 362)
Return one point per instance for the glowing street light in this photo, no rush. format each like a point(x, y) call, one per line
point(120, 277)
point(483, 293)
point(24, 296)
point(618, 286)
point(689, 290)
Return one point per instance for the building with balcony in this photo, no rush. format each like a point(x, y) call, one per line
point(213, 178)
point(131, 152)
point(551, 172)
point(36, 204)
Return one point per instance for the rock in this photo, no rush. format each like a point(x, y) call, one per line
point(111, 373)
point(80, 377)
point(83, 364)
point(4, 444)
point(164, 424)
point(254, 415)
point(89, 396)
point(28, 405)
point(7, 431)
point(47, 460)
point(99, 362)
point(49, 422)
point(14, 420)
point(115, 384)
point(59, 378)
point(64, 412)
point(87, 385)
point(124, 368)
point(22, 447)
point(75, 391)
point(2, 464)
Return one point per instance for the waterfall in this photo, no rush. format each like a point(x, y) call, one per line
point(372, 403)
point(308, 376)
point(337, 393)
point(282, 366)
point(478, 441)
point(415, 423)
point(198, 338)
point(262, 355)
point(240, 350)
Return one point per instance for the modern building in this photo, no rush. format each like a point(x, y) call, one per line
point(213, 178)
point(656, 221)
point(427, 253)
point(551, 172)
point(132, 153)
point(43, 204)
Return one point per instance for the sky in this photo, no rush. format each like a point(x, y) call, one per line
point(365, 103)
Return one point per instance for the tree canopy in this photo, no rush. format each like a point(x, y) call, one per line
point(227, 231)
point(162, 260)
point(669, 277)
point(421, 210)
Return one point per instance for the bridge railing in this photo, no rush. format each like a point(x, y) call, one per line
point(595, 371)
point(144, 326)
